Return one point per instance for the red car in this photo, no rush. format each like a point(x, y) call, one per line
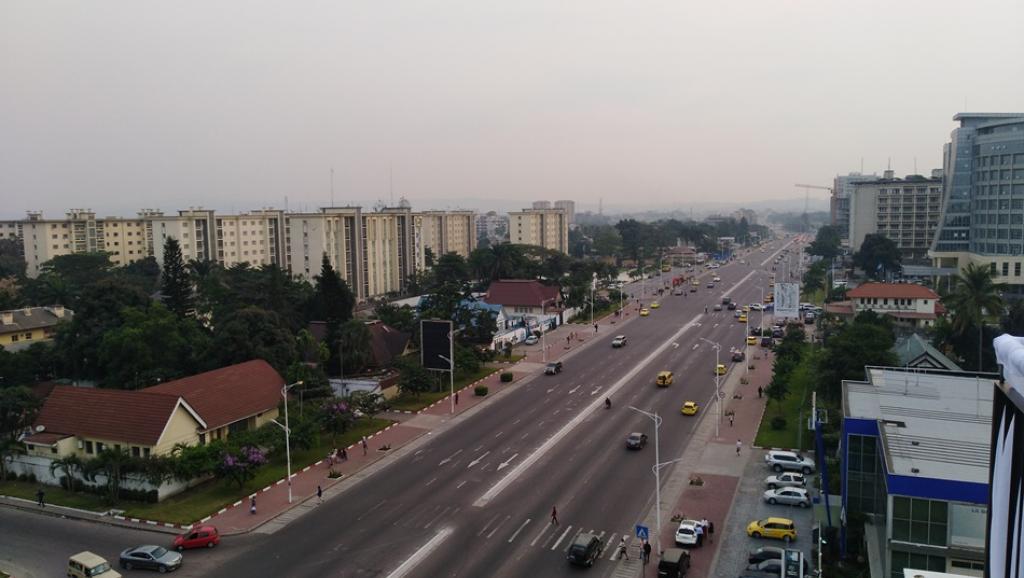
point(197, 537)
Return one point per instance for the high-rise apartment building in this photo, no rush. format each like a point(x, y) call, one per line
point(904, 210)
point(982, 218)
point(443, 232)
point(80, 231)
point(570, 210)
point(492, 226)
point(541, 205)
point(842, 188)
point(548, 228)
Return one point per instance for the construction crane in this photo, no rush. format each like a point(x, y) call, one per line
point(807, 201)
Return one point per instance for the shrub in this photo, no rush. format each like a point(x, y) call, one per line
point(480, 390)
point(778, 422)
point(506, 377)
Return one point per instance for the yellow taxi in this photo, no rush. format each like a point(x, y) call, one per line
point(742, 318)
point(768, 298)
point(778, 528)
point(664, 379)
point(655, 305)
point(751, 340)
point(644, 312)
point(666, 268)
point(689, 408)
point(720, 369)
point(746, 308)
point(695, 282)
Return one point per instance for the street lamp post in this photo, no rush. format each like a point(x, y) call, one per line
point(593, 282)
point(451, 375)
point(287, 435)
point(657, 471)
point(718, 394)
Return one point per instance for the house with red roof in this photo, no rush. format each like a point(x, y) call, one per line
point(907, 303)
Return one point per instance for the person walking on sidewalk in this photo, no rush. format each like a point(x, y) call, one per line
point(595, 328)
point(319, 494)
point(456, 398)
point(364, 445)
point(41, 498)
point(252, 505)
point(739, 446)
point(554, 516)
point(623, 550)
point(760, 392)
point(647, 551)
point(344, 455)
point(730, 419)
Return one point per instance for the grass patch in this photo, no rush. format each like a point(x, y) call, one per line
point(511, 359)
point(415, 403)
point(207, 498)
point(55, 496)
point(794, 408)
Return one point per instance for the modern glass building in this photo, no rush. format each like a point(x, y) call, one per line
point(983, 197)
point(914, 469)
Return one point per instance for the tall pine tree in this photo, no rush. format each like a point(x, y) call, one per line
point(176, 286)
point(334, 299)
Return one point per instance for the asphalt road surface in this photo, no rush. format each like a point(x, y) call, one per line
point(475, 499)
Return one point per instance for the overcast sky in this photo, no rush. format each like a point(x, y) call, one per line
point(119, 105)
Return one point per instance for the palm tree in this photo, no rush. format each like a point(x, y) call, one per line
point(974, 296)
point(69, 465)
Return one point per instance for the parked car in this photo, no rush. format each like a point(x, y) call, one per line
point(150, 558)
point(720, 369)
point(531, 340)
point(788, 496)
point(686, 533)
point(786, 480)
point(678, 291)
point(674, 563)
point(726, 300)
point(778, 528)
point(553, 368)
point(780, 460)
point(738, 355)
point(636, 441)
point(619, 341)
point(197, 537)
point(584, 550)
point(755, 306)
point(765, 553)
point(716, 278)
point(767, 341)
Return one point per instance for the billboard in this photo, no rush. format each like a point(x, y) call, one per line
point(1005, 534)
point(787, 300)
point(436, 344)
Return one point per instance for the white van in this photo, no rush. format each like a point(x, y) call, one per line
point(89, 565)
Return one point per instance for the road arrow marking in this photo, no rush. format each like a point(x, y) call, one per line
point(695, 346)
point(573, 390)
point(477, 461)
point(675, 345)
point(449, 458)
point(506, 462)
point(595, 391)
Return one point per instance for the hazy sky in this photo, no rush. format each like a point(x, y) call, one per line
point(118, 105)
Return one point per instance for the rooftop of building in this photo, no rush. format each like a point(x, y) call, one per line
point(913, 350)
point(933, 424)
point(992, 115)
point(891, 290)
point(29, 318)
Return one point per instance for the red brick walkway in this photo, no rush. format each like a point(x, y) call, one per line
point(711, 501)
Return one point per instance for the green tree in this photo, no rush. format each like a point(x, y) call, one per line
point(814, 277)
point(856, 344)
point(878, 255)
point(401, 318)
point(17, 410)
point(827, 243)
point(334, 301)
point(114, 465)
point(428, 257)
point(176, 286)
point(69, 466)
point(9, 448)
point(12, 262)
point(451, 268)
point(974, 297)
point(253, 333)
point(607, 241)
point(1013, 320)
point(354, 343)
point(412, 378)
point(368, 403)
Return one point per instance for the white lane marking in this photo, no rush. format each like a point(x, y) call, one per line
point(432, 480)
point(595, 391)
point(543, 530)
point(505, 463)
point(517, 421)
point(477, 448)
point(477, 461)
point(550, 390)
point(523, 437)
point(675, 345)
point(556, 412)
point(560, 538)
point(420, 554)
point(695, 346)
point(517, 471)
point(574, 536)
point(449, 458)
point(498, 435)
point(462, 483)
point(488, 525)
point(435, 518)
point(573, 390)
point(367, 512)
point(519, 530)
point(607, 545)
point(418, 452)
point(498, 526)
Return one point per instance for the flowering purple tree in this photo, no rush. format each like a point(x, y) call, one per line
point(336, 417)
point(240, 465)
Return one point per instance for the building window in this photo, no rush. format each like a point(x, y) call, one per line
point(1006, 268)
point(88, 447)
point(145, 452)
point(136, 452)
point(901, 560)
point(919, 521)
point(1016, 269)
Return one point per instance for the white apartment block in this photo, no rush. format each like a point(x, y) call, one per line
point(570, 210)
point(904, 210)
point(548, 228)
point(443, 232)
point(80, 231)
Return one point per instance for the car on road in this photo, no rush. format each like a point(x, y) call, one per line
point(678, 291)
point(742, 317)
point(736, 314)
point(788, 497)
point(718, 307)
point(777, 528)
point(731, 306)
point(584, 550)
point(686, 533)
point(726, 300)
point(767, 342)
point(150, 557)
point(786, 480)
point(531, 340)
point(738, 355)
point(655, 305)
point(765, 553)
point(644, 312)
point(720, 369)
point(198, 537)
point(780, 460)
point(664, 379)
point(89, 565)
point(693, 288)
point(711, 285)
point(755, 306)
point(636, 441)
point(553, 368)
point(619, 341)
point(689, 408)
point(716, 279)
point(674, 563)
point(751, 340)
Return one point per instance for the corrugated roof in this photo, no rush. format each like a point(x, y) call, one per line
point(132, 417)
point(522, 292)
point(892, 290)
point(226, 395)
point(33, 318)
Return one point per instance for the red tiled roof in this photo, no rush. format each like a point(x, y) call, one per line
point(840, 308)
point(523, 292)
point(386, 343)
point(910, 315)
point(892, 291)
point(45, 438)
point(226, 395)
point(133, 417)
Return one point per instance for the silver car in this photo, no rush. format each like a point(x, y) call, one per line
point(786, 480)
point(788, 497)
point(780, 460)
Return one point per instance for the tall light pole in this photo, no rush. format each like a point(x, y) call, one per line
point(287, 435)
point(657, 471)
point(593, 283)
point(451, 375)
point(718, 394)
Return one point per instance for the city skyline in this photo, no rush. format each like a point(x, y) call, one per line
point(200, 106)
